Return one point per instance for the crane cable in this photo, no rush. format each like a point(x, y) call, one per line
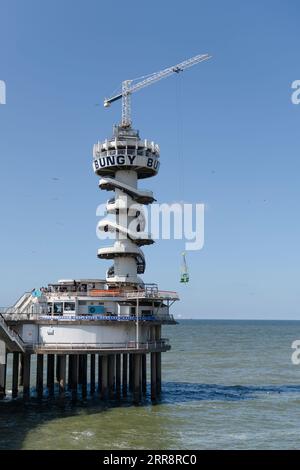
point(184, 277)
point(180, 162)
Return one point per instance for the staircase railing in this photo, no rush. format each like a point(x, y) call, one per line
point(15, 337)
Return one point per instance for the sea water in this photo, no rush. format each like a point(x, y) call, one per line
point(226, 385)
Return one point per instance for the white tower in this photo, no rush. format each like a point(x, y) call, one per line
point(120, 162)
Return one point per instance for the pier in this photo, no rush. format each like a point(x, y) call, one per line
point(41, 365)
point(103, 372)
point(92, 337)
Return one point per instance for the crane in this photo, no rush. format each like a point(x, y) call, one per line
point(129, 87)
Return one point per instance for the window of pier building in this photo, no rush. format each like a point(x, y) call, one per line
point(58, 308)
point(69, 306)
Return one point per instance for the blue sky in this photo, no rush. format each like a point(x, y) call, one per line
point(239, 138)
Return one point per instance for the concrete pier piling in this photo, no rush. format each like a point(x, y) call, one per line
point(99, 374)
point(74, 376)
point(92, 374)
point(70, 368)
point(118, 376)
point(144, 373)
point(158, 373)
point(80, 359)
point(57, 367)
point(40, 375)
point(62, 370)
point(137, 395)
point(15, 374)
point(111, 376)
point(50, 374)
point(104, 378)
point(124, 374)
point(21, 370)
point(155, 366)
point(153, 377)
point(69, 380)
point(2, 369)
point(131, 377)
point(26, 378)
point(83, 376)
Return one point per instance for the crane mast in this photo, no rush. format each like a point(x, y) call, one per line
point(129, 87)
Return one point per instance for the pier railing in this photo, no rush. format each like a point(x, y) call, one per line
point(10, 335)
point(167, 295)
point(147, 293)
point(78, 347)
point(15, 315)
point(134, 294)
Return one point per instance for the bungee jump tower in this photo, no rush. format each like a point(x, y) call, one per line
point(98, 336)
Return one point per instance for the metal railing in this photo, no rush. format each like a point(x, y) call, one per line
point(130, 345)
point(18, 316)
point(151, 293)
point(12, 310)
point(15, 316)
point(15, 337)
point(148, 292)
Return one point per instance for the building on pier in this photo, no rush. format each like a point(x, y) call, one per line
point(110, 326)
point(97, 331)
